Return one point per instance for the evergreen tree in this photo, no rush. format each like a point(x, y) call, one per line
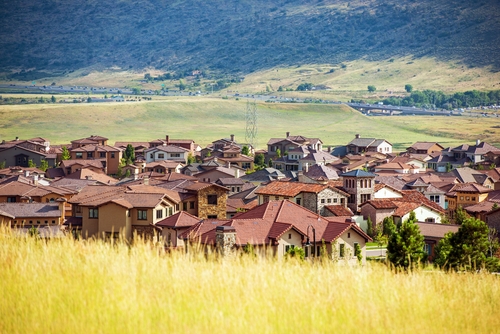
point(460, 215)
point(65, 153)
point(388, 226)
point(278, 153)
point(129, 154)
point(31, 164)
point(245, 150)
point(369, 227)
point(270, 163)
point(406, 246)
point(44, 165)
point(471, 248)
point(191, 159)
point(259, 159)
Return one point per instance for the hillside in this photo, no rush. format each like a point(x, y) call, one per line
point(242, 35)
point(180, 118)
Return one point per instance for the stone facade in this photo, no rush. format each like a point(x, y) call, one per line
point(225, 239)
point(361, 190)
point(208, 210)
point(316, 202)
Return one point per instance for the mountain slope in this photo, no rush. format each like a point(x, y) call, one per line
point(243, 35)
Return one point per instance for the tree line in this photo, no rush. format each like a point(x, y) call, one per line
point(437, 99)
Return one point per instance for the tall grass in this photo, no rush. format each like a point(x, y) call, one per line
point(89, 286)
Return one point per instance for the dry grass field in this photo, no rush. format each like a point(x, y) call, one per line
point(207, 119)
point(68, 286)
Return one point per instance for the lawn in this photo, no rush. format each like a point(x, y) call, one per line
point(93, 287)
point(206, 119)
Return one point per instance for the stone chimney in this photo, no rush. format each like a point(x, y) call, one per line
point(35, 179)
point(232, 138)
point(357, 135)
point(145, 180)
point(306, 167)
point(236, 173)
point(228, 164)
point(167, 139)
point(26, 173)
point(225, 239)
point(287, 134)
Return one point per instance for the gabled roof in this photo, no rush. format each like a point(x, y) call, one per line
point(468, 188)
point(292, 189)
point(339, 210)
point(27, 210)
point(424, 145)
point(358, 173)
point(180, 219)
point(434, 230)
point(167, 149)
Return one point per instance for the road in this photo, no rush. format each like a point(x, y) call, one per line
point(375, 252)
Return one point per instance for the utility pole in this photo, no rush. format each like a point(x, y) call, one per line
point(251, 124)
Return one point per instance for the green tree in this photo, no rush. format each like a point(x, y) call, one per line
point(2, 164)
point(369, 227)
point(89, 99)
point(136, 91)
point(469, 248)
point(191, 159)
point(408, 88)
point(270, 163)
point(371, 88)
point(358, 253)
point(65, 153)
point(129, 154)
point(460, 215)
point(305, 86)
point(259, 160)
point(278, 153)
point(405, 248)
point(53, 99)
point(245, 150)
point(388, 226)
point(295, 252)
point(31, 164)
point(44, 165)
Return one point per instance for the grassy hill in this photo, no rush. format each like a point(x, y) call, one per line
point(243, 36)
point(207, 119)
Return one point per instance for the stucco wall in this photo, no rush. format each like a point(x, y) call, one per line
point(290, 237)
point(113, 218)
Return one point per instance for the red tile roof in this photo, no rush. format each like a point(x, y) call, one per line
point(180, 219)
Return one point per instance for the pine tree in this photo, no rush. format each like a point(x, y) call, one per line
point(388, 226)
point(65, 153)
point(369, 227)
point(44, 165)
point(406, 246)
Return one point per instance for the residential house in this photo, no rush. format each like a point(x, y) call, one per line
point(27, 215)
point(273, 227)
point(170, 152)
point(465, 194)
point(92, 140)
point(424, 148)
point(360, 187)
point(174, 225)
point(290, 143)
point(312, 196)
point(114, 212)
point(163, 167)
point(432, 233)
point(22, 153)
point(461, 156)
point(109, 156)
point(361, 145)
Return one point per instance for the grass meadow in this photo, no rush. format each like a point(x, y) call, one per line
point(68, 286)
point(206, 119)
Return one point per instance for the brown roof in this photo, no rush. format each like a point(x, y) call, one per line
point(292, 189)
point(434, 230)
point(339, 210)
point(180, 219)
point(27, 210)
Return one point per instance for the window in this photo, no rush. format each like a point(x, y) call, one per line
point(175, 155)
point(430, 220)
point(102, 154)
point(461, 198)
point(467, 198)
point(427, 249)
point(93, 213)
point(53, 222)
point(161, 156)
point(334, 200)
point(78, 209)
point(322, 201)
point(112, 155)
point(184, 206)
point(276, 198)
point(329, 200)
point(46, 222)
point(473, 198)
point(79, 155)
point(289, 235)
point(142, 215)
point(169, 238)
point(212, 217)
point(297, 201)
point(265, 199)
point(159, 213)
point(342, 250)
point(191, 205)
point(246, 165)
point(11, 199)
point(90, 154)
point(434, 198)
point(212, 199)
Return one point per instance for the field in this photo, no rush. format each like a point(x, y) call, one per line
point(208, 119)
point(93, 287)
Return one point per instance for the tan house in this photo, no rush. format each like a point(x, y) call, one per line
point(114, 212)
point(465, 194)
point(174, 225)
point(205, 200)
point(424, 148)
point(28, 215)
point(109, 156)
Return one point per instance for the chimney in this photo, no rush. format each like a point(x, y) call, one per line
point(478, 142)
point(35, 179)
point(288, 134)
point(88, 177)
point(306, 167)
point(167, 139)
point(62, 208)
point(145, 180)
point(357, 135)
point(236, 173)
point(26, 173)
point(232, 138)
point(17, 138)
point(228, 164)
point(329, 149)
point(225, 239)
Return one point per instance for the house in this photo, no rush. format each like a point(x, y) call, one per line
point(206, 200)
point(92, 140)
point(461, 156)
point(163, 167)
point(313, 196)
point(290, 143)
point(273, 227)
point(360, 187)
point(465, 194)
point(424, 148)
point(187, 144)
point(361, 145)
point(21, 154)
point(109, 156)
point(213, 174)
point(400, 208)
point(265, 175)
point(398, 168)
point(71, 166)
point(469, 175)
point(27, 215)
point(167, 152)
point(432, 233)
point(318, 174)
point(116, 212)
point(174, 225)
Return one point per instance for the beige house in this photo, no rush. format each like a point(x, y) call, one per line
point(109, 211)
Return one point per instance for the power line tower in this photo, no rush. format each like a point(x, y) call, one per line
point(251, 126)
